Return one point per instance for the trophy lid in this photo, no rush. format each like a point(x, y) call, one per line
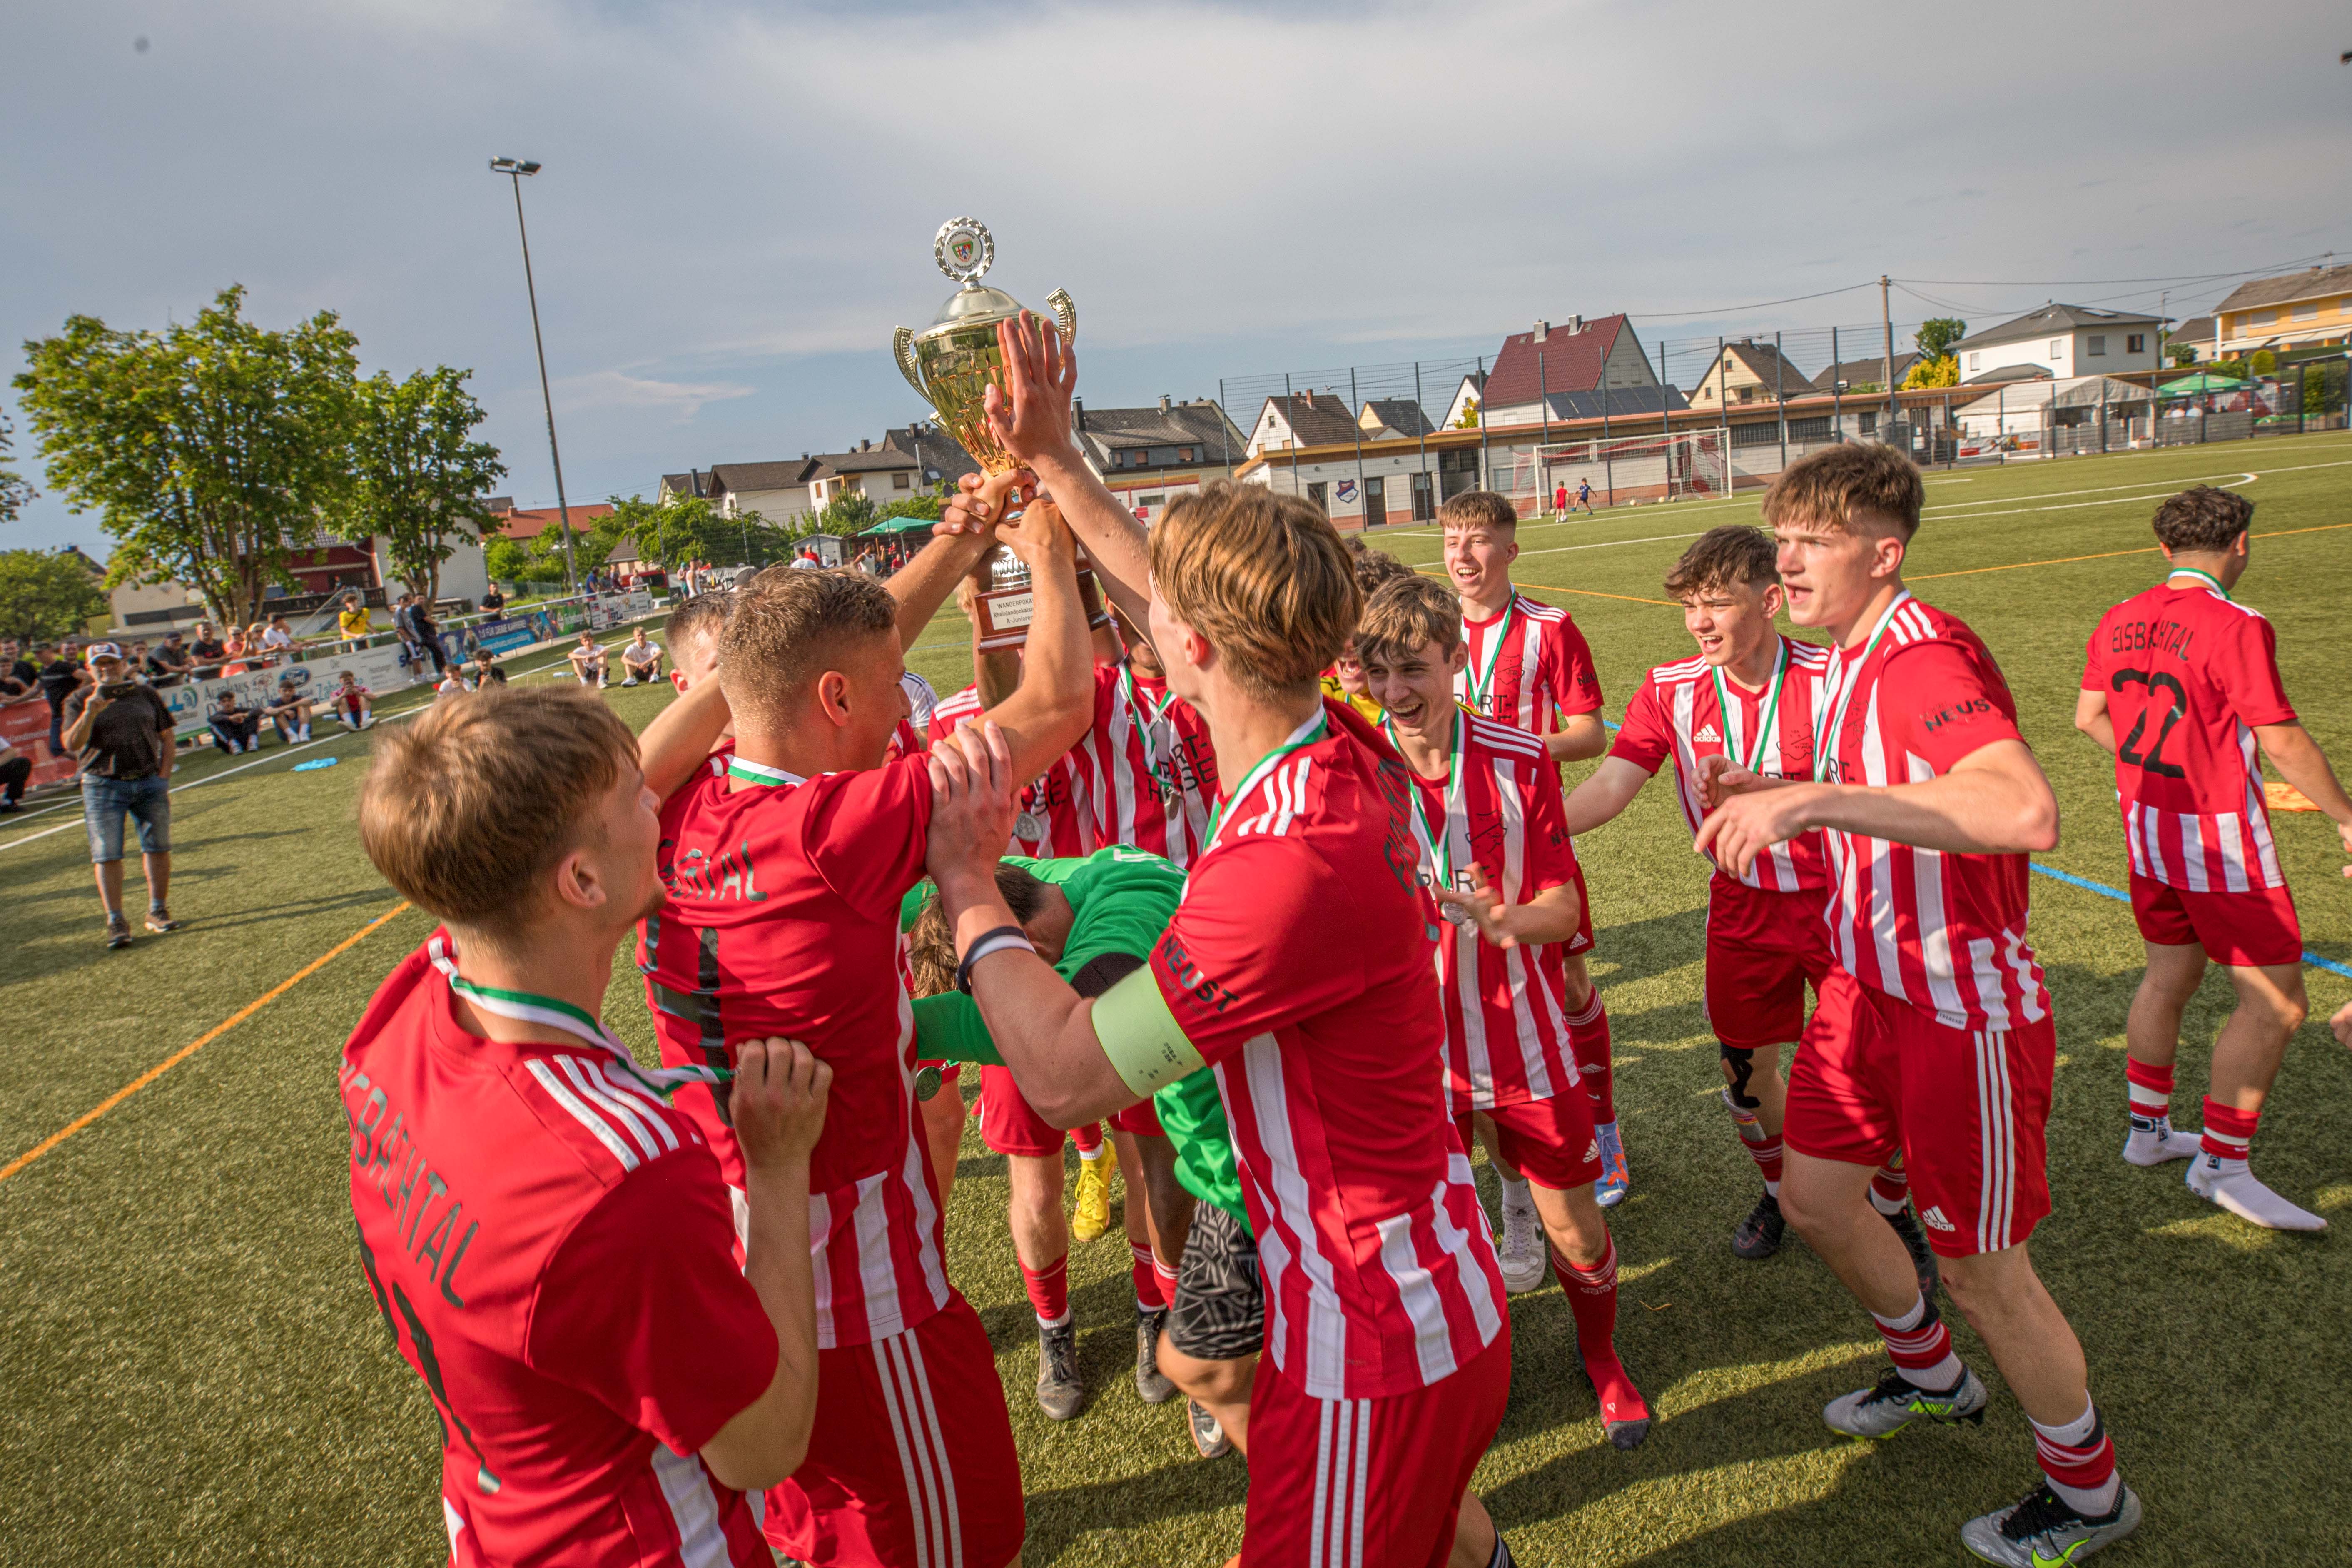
point(965, 250)
point(974, 305)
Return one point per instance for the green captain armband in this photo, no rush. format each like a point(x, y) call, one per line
point(1140, 1036)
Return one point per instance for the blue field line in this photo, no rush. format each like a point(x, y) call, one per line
point(2121, 897)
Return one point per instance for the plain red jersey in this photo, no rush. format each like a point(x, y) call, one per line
point(1678, 712)
point(1505, 1023)
point(2188, 675)
point(553, 1254)
point(1052, 817)
point(1943, 932)
point(1150, 772)
point(783, 918)
point(1299, 964)
point(1529, 666)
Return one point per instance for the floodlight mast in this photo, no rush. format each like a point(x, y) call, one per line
point(515, 169)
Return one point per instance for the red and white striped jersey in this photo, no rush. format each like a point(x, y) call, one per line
point(1052, 817)
point(552, 1251)
point(1942, 932)
point(1678, 711)
point(2188, 675)
point(914, 731)
point(1148, 769)
point(1298, 964)
point(1505, 1026)
point(1529, 666)
point(783, 918)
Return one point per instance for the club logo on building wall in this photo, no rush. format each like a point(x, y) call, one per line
point(1347, 489)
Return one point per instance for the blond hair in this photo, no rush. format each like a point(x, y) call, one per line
point(1851, 487)
point(1479, 509)
point(1407, 612)
point(1262, 576)
point(465, 810)
point(788, 627)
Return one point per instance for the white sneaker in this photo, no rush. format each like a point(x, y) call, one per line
point(2231, 1185)
point(1525, 1255)
point(2155, 1139)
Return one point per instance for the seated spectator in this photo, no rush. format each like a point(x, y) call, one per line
point(169, 663)
point(640, 660)
point(350, 701)
point(588, 662)
point(453, 683)
point(235, 727)
point(485, 669)
point(277, 637)
point(206, 653)
point(289, 713)
point(354, 621)
point(15, 767)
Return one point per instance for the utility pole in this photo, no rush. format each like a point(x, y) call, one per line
point(1363, 502)
point(1421, 428)
point(1886, 325)
point(515, 169)
point(1486, 465)
point(1290, 413)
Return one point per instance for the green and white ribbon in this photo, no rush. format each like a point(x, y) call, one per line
point(1307, 734)
point(530, 1007)
point(1765, 715)
point(761, 775)
point(1437, 837)
point(2205, 577)
point(1483, 682)
point(1825, 755)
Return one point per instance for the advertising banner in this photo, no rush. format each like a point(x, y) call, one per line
point(378, 669)
point(26, 723)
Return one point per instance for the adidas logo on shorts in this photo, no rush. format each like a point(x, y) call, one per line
point(1707, 732)
point(1592, 1150)
point(1933, 1218)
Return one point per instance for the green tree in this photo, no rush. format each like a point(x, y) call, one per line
point(1937, 335)
point(43, 595)
point(2182, 353)
point(14, 491)
point(212, 451)
point(1469, 420)
point(2265, 362)
point(506, 561)
point(1942, 370)
point(687, 529)
point(930, 509)
point(851, 511)
point(419, 475)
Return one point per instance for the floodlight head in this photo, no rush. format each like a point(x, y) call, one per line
point(513, 166)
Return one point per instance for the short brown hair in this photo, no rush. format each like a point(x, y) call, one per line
point(1407, 612)
point(1478, 509)
point(930, 941)
point(1734, 555)
point(2203, 518)
point(703, 616)
point(1848, 486)
point(1263, 576)
point(788, 626)
point(1372, 567)
point(465, 810)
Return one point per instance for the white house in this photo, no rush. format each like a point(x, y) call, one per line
point(2029, 407)
point(2065, 341)
point(1305, 418)
point(774, 490)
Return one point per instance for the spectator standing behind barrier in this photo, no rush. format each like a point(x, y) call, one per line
point(61, 675)
point(277, 637)
point(206, 653)
point(15, 768)
point(492, 601)
point(428, 635)
point(354, 621)
point(640, 660)
point(289, 714)
point(121, 734)
point(21, 673)
point(168, 665)
point(235, 727)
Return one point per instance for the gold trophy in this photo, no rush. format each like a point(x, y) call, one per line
point(951, 363)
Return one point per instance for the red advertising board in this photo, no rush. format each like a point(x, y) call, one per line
point(26, 723)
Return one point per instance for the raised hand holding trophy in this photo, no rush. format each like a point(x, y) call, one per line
point(951, 363)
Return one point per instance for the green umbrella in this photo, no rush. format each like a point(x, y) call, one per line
point(2203, 381)
point(901, 525)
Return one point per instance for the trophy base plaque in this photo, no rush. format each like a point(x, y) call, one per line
point(1005, 614)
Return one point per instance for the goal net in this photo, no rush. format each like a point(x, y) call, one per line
point(1687, 465)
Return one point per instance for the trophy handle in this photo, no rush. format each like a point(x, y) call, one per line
point(1065, 312)
point(902, 342)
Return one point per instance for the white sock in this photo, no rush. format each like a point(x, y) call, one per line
point(1518, 1198)
point(2078, 1434)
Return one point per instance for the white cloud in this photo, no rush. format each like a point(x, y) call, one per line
point(618, 389)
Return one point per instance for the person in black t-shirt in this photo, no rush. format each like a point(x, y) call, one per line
point(205, 653)
point(61, 675)
point(121, 732)
point(22, 674)
point(492, 602)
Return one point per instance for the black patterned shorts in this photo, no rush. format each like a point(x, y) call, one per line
point(1220, 1308)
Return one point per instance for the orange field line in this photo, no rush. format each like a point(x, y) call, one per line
point(2107, 555)
point(1587, 593)
point(199, 1043)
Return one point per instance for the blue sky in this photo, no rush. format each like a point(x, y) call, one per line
point(738, 203)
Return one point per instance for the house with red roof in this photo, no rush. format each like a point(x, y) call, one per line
point(1553, 364)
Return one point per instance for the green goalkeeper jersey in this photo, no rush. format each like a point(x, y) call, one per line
point(1122, 899)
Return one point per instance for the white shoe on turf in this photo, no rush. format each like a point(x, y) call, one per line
point(2229, 1184)
point(1524, 1253)
point(2153, 1140)
point(2044, 1531)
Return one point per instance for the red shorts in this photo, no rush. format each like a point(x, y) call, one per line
point(1581, 942)
point(1549, 1141)
point(2254, 930)
point(912, 1459)
point(1007, 1124)
point(1762, 947)
point(1368, 1480)
point(1969, 1110)
point(1138, 1118)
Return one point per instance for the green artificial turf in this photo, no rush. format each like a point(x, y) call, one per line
point(193, 1373)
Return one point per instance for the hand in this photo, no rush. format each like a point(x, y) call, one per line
point(1482, 905)
point(1747, 825)
point(1030, 414)
point(2342, 1025)
point(972, 805)
point(1043, 537)
point(981, 500)
point(778, 1101)
point(1720, 778)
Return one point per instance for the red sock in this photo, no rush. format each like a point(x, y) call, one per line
point(1049, 1290)
point(2080, 1462)
point(2229, 1132)
point(1592, 1299)
point(1144, 1270)
point(1588, 1036)
point(2150, 1088)
point(1766, 1156)
point(1087, 1137)
point(1921, 1347)
point(1890, 1189)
